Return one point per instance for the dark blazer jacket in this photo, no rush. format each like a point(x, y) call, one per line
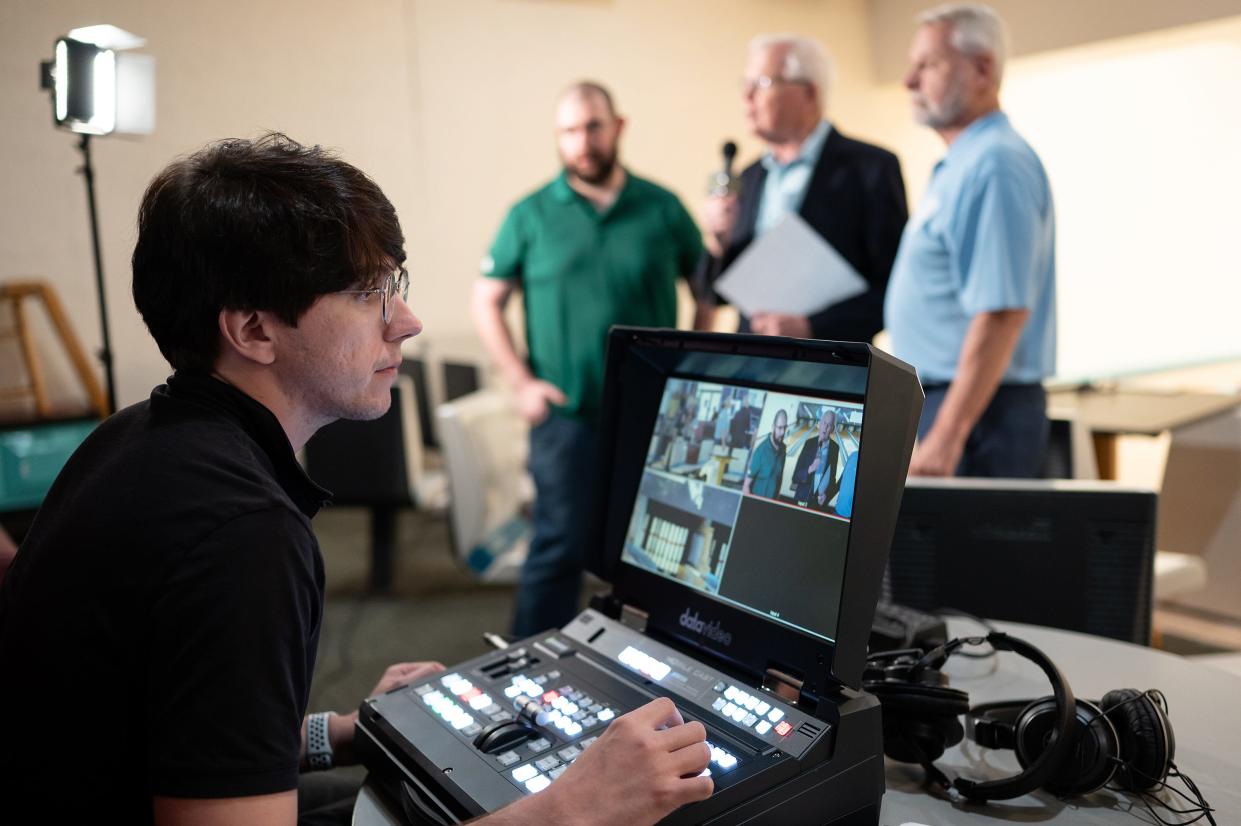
point(856, 200)
point(804, 479)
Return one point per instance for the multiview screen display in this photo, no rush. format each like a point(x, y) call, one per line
point(746, 496)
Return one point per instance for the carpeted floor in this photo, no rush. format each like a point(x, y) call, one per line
point(434, 611)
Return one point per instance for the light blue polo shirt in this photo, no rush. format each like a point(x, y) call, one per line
point(784, 188)
point(982, 239)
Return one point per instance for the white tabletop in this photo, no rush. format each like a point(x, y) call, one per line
point(1204, 707)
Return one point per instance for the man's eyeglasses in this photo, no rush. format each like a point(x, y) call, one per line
point(396, 283)
point(749, 85)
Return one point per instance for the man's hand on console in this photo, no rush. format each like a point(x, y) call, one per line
point(341, 726)
point(647, 764)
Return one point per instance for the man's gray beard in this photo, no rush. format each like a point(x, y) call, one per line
point(948, 114)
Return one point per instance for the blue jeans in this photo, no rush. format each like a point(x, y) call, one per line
point(563, 463)
point(1009, 440)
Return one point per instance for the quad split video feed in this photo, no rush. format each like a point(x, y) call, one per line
point(739, 481)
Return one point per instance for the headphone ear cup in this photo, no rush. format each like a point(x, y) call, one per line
point(919, 721)
point(1091, 761)
point(1146, 741)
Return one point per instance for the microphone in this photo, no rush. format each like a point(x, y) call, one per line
point(723, 182)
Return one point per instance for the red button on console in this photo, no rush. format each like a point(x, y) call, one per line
point(784, 728)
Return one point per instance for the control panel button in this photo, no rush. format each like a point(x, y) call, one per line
point(547, 763)
point(762, 708)
point(763, 727)
point(775, 715)
point(605, 715)
point(749, 720)
point(523, 773)
point(784, 728)
point(537, 784)
point(569, 754)
point(508, 758)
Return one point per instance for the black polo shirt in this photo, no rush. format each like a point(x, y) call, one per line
point(158, 627)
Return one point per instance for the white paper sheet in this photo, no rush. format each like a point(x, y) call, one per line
point(789, 269)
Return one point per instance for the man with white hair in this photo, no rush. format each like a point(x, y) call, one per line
point(972, 302)
point(850, 192)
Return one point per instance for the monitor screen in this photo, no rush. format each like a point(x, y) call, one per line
point(746, 496)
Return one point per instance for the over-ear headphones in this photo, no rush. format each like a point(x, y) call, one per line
point(920, 714)
point(1065, 745)
point(1125, 738)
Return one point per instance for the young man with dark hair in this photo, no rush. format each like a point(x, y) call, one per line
point(159, 624)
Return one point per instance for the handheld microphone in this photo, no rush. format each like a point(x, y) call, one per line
point(723, 182)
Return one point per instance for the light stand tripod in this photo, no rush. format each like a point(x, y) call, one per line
point(105, 351)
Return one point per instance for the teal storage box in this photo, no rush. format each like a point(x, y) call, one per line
point(32, 455)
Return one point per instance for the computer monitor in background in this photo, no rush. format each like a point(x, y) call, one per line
point(1069, 554)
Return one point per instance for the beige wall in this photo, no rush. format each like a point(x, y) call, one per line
point(447, 104)
point(1042, 25)
point(316, 69)
point(487, 72)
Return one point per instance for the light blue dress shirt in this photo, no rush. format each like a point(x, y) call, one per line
point(785, 186)
point(982, 239)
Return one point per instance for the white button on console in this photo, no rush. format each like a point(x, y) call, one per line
point(775, 715)
point(523, 773)
point(537, 784)
point(763, 727)
point(762, 708)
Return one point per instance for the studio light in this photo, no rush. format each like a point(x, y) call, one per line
point(99, 87)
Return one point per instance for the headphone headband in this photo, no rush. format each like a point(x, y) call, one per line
point(1037, 773)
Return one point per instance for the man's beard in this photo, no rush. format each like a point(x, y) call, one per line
point(947, 113)
point(595, 173)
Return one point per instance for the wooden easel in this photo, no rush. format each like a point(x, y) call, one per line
point(15, 293)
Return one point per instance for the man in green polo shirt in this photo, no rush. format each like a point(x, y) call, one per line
point(596, 246)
